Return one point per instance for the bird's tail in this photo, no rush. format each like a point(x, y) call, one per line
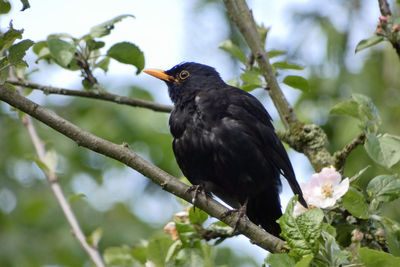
point(264, 210)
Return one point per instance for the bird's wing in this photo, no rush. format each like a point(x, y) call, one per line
point(250, 112)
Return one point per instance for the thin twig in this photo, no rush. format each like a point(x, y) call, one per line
point(123, 154)
point(388, 27)
point(95, 95)
point(384, 7)
point(55, 186)
point(340, 156)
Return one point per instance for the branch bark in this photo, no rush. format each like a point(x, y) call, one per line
point(389, 31)
point(243, 17)
point(134, 102)
point(123, 154)
point(308, 139)
point(384, 7)
point(340, 156)
point(56, 188)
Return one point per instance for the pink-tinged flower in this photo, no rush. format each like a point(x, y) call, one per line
point(323, 190)
point(170, 229)
point(356, 236)
point(383, 18)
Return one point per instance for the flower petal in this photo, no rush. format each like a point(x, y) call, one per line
point(341, 189)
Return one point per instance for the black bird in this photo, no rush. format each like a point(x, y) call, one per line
point(225, 142)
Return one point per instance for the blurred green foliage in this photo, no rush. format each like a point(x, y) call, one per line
point(33, 230)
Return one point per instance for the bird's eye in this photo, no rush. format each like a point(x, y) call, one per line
point(184, 74)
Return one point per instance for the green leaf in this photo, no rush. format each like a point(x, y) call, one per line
point(187, 233)
point(127, 53)
point(5, 6)
point(349, 108)
point(375, 258)
point(105, 28)
point(41, 164)
point(42, 50)
point(390, 146)
point(330, 253)
point(63, 52)
point(188, 257)
point(373, 40)
point(4, 73)
point(51, 160)
point(9, 37)
point(103, 64)
point(220, 228)
point(374, 150)
point(304, 262)
point(287, 65)
point(95, 237)
point(94, 45)
point(234, 50)
point(17, 51)
point(25, 5)
point(197, 216)
point(392, 234)
point(140, 253)
point(354, 202)
point(384, 150)
point(274, 53)
point(367, 107)
point(251, 80)
point(297, 82)
point(173, 251)
point(233, 82)
point(280, 260)
point(263, 32)
point(301, 232)
point(157, 250)
point(360, 107)
point(384, 188)
point(119, 256)
point(356, 176)
point(75, 197)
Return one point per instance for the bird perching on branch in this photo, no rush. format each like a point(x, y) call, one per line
point(224, 141)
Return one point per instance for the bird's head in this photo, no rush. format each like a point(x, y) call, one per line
point(187, 79)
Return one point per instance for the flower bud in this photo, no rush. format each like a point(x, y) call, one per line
point(170, 229)
point(356, 236)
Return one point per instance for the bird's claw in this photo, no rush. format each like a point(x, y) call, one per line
point(241, 214)
point(197, 189)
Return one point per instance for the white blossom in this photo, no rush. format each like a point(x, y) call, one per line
point(323, 190)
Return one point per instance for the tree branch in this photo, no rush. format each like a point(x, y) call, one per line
point(55, 186)
point(308, 139)
point(123, 154)
point(340, 156)
point(387, 27)
point(134, 102)
point(384, 8)
point(243, 17)
point(298, 142)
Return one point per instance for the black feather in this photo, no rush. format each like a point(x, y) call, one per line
point(224, 140)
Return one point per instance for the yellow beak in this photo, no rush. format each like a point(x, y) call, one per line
point(160, 74)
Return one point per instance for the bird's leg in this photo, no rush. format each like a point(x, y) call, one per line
point(241, 214)
point(197, 189)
